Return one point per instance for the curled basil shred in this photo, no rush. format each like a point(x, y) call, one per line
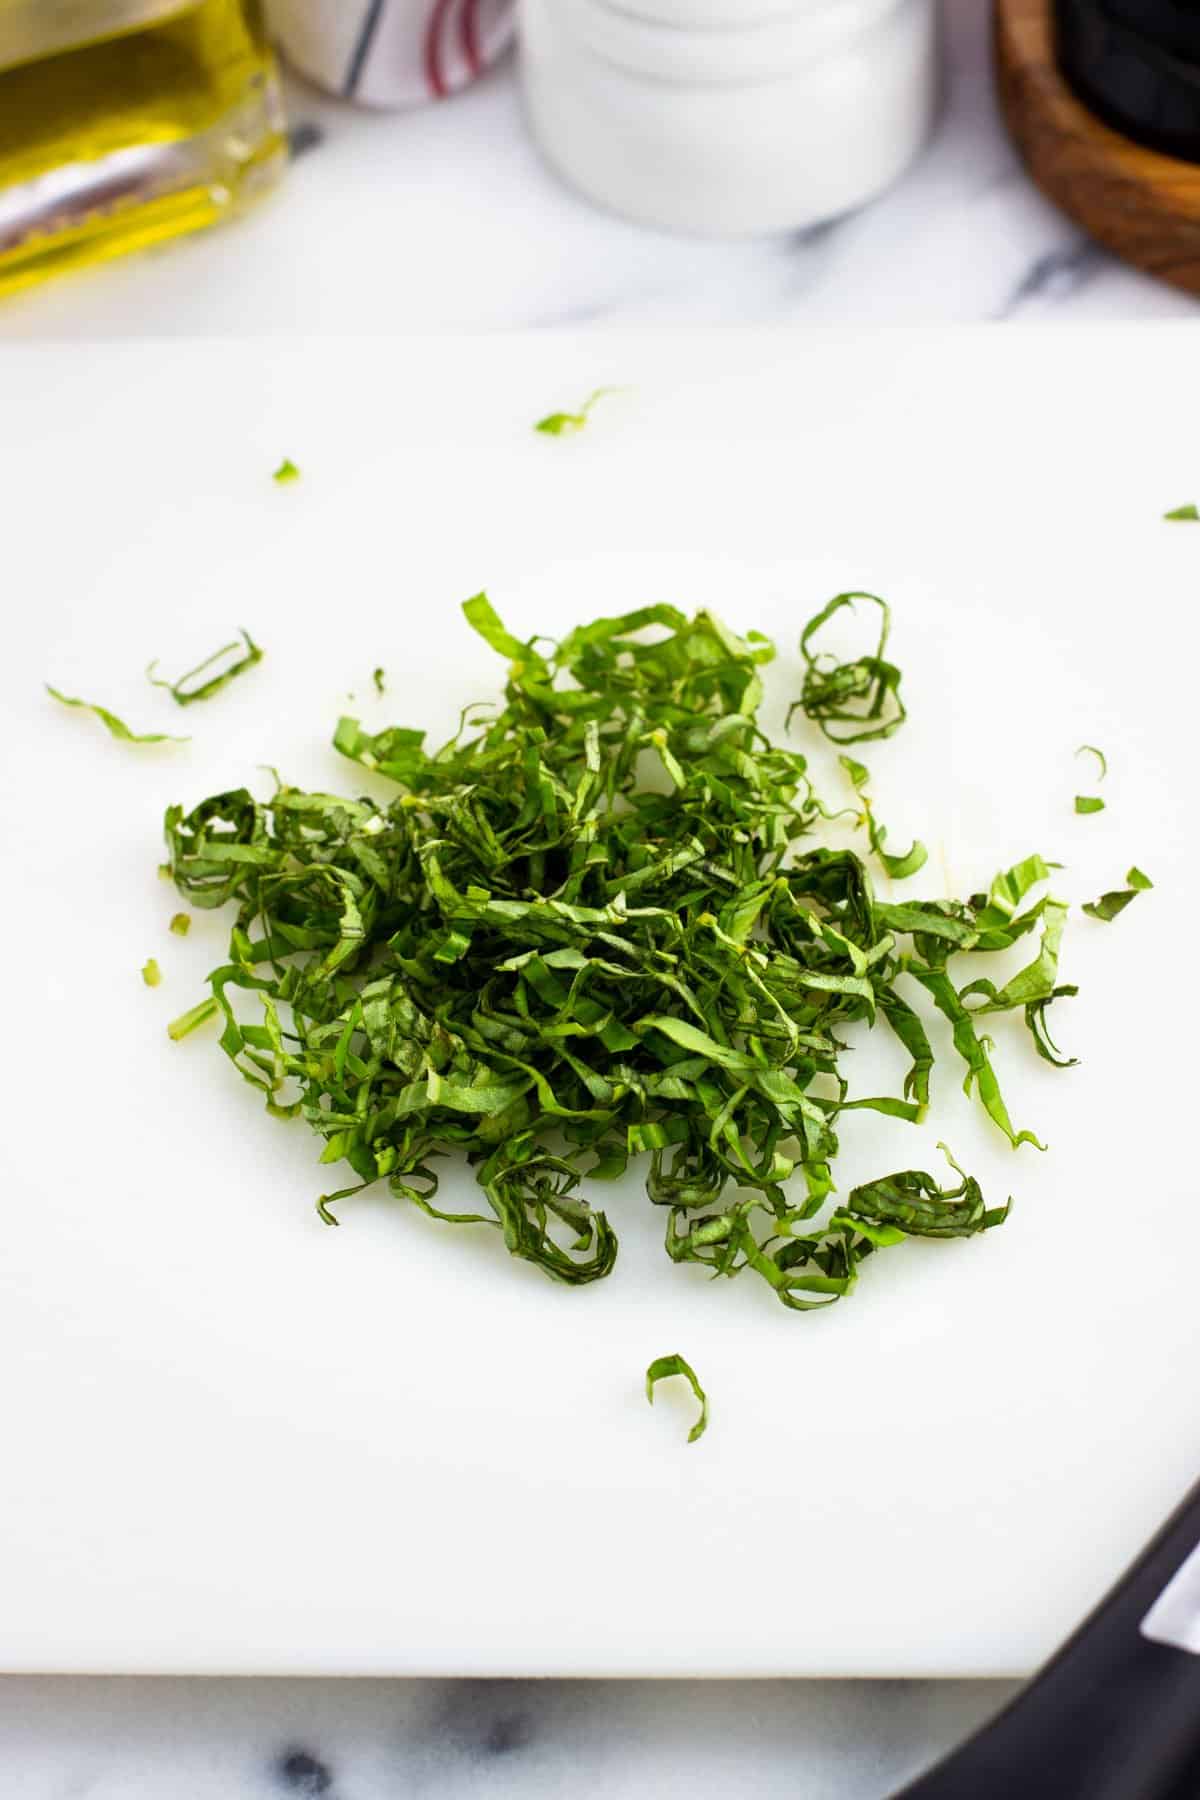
point(662, 1369)
point(863, 694)
point(227, 663)
point(593, 927)
point(1091, 803)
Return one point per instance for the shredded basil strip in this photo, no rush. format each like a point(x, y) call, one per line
point(115, 727)
point(1184, 512)
point(151, 973)
point(194, 1017)
point(898, 867)
point(1108, 906)
point(911, 1204)
point(662, 1369)
point(589, 929)
point(562, 424)
point(864, 693)
point(379, 678)
point(287, 471)
point(1090, 803)
point(184, 695)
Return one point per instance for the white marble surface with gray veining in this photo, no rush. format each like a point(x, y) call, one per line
point(357, 1740)
point(447, 219)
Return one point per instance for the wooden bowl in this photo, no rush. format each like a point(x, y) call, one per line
point(1135, 201)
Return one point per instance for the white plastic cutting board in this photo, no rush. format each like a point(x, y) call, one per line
point(234, 1440)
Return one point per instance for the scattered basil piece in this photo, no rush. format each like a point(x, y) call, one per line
point(1183, 512)
point(561, 424)
point(195, 1016)
point(1089, 803)
point(181, 924)
point(1035, 1019)
point(287, 471)
point(1108, 906)
point(183, 695)
point(380, 680)
point(662, 1369)
point(151, 973)
point(116, 727)
point(898, 867)
point(864, 693)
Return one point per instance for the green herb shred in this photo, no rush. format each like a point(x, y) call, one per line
point(589, 929)
point(1108, 906)
point(194, 1017)
point(151, 973)
point(380, 680)
point(563, 424)
point(662, 1369)
point(898, 867)
point(181, 924)
point(287, 471)
point(864, 693)
point(912, 1204)
point(1183, 512)
point(244, 653)
point(1089, 803)
point(115, 727)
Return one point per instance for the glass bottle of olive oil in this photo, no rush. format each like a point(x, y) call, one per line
point(126, 121)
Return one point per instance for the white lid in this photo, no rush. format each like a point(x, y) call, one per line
point(720, 42)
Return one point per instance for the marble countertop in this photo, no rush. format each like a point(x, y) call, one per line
point(465, 1740)
point(447, 219)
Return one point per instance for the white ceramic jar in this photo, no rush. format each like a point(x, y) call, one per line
point(730, 117)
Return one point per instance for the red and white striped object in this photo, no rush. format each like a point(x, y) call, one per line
point(392, 52)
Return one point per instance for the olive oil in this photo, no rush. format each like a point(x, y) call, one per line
point(123, 122)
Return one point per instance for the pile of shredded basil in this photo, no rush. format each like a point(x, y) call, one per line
point(594, 927)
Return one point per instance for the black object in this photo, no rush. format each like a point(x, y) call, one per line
point(1171, 24)
point(1114, 1716)
point(1136, 63)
